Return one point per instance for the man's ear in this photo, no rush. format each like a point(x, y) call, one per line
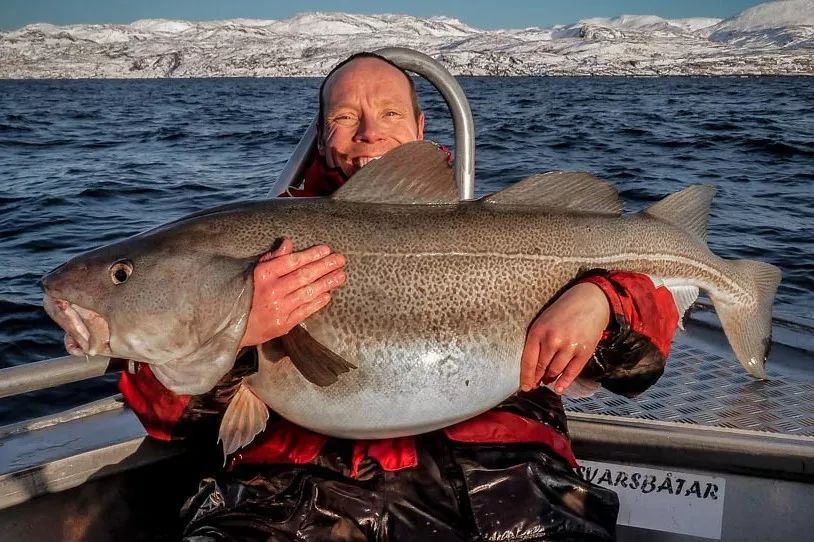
point(320, 143)
point(421, 125)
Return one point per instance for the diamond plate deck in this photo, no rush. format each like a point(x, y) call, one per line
point(701, 387)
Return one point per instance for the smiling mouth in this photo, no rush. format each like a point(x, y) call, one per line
point(361, 161)
point(86, 331)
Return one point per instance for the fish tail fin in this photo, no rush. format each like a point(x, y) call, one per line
point(245, 417)
point(687, 209)
point(749, 326)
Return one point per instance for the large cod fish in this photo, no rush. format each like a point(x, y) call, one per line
point(430, 325)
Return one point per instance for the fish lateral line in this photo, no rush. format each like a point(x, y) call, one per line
point(653, 257)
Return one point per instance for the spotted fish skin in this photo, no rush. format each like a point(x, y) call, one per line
point(438, 299)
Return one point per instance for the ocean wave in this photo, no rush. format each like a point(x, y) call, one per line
point(779, 148)
point(170, 135)
point(100, 144)
point(48, 144)
point(82, 115)
point(11, 128)
point(118, 190)
point(634, 132)
point(720, 126)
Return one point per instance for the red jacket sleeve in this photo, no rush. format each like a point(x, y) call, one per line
point(158, 409)
point(169, 416)
point(632, 355)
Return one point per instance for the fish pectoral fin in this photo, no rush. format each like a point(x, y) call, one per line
point(271, 351)
point(245, 417)
point(317, 363)
point(572, 190)
point(416, 173)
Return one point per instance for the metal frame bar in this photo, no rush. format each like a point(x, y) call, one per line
point(616, 438)
point(50, 373)
point(458, 105)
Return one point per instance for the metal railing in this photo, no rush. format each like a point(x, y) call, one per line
point(50, 373)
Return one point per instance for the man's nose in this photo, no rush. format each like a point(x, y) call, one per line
point(369, 129)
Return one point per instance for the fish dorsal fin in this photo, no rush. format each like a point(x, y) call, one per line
point(687, 209)
point(415, 173)
point(577, 191)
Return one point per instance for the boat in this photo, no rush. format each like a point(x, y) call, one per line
point(707, 453)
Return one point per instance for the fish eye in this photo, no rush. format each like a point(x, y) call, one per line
point(121, 271)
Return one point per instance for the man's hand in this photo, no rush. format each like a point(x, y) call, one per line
point(289, 287)
point(563, 337)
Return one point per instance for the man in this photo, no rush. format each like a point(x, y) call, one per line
point(506, 474)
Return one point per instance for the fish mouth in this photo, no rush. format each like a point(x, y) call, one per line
point(86, 332)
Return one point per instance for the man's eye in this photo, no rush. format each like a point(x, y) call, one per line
point(392, 114)
point(346, 118)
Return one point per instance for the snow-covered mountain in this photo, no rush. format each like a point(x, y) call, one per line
point(788, 23)
point(772, 38)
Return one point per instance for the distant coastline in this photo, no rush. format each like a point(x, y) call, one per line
point(776, 38)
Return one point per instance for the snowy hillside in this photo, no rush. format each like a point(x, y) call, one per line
point(785, 23)
point(772, 38)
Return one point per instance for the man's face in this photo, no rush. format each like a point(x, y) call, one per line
point(368, 111)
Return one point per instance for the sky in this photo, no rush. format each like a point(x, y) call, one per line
point(490, 14)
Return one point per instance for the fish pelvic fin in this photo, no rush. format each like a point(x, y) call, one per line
point(318, 364)
point(413, 173)
point(575, 191)
point(684, 295)
point(687, 209)
point(245, 417)
point(580, 388)
point(749, 326)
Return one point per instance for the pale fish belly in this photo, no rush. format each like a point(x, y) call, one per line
point(397, 389)
point(436, 339)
